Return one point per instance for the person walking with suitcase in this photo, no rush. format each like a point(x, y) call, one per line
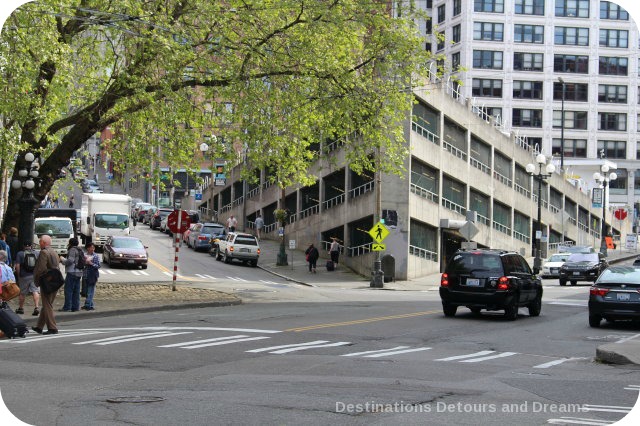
point(47, 259)
point(91, 275)
point(334, 251)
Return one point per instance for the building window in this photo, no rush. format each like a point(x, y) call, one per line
point(613, 149)
point(571, 36)
point(612, 93)
point(488, 31)
point(527, 117)
point(456, 34)
point(528, 61)
point(576, 92)
point(424, 176)
point(521, 226)
point(424, 237)
point(614, 38)
point(440, 41)
point(612, 121)
point(572, 147)
point(609, 65)
point(441, 14)
point(487, 59)
point(572, 8)
point(572, 119)
point(502, 216)
point(619, 185)
point(527, 89)
point(496, 6)
point(528, 33)
point(495, 112)
point(428, 27)
point(455, 61)
point(486, 87)
point(571, 63)
point(609, 10)
point(457, 7)
point(481, 153)
point(529, 7)
point(480, 203)
point(454, 192)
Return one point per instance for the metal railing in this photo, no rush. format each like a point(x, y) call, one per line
point(266, 184)
point(238, 201)
point(501, 228)
point(362, 189)
point(522, 237)
point(270, 227)
point(255, 191)
point(454, 151)
point(326, 245)
point(423, 253)
point(522, 190)
point(425, 133)
point(292, 218)
point(583, 227)
point(573, 220)
point(553, 209)
point(480, 166)
point(424, 193)
point(545, 203)
point(359, 250)
point(334, 145)
point(225, 208)
point(448, 204)
point(332, 202)
point(502, 178)
point(483, 219)
point(309, 211)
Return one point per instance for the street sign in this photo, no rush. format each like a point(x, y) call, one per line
point(597, 195)
point(172, 221)
point(379, 232)
point(620, 214)
point(378, 247)
point(469, 230)
point(292, 244)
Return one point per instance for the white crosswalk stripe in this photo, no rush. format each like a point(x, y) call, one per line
point(89, 342)
point(237, 279)
point(205, 276)
point(271, 348)
point(403, 351)
point(606, 408)
point(39, 338)
point(632, 388)
point(195, 342)
point(578, 421)
point(131, 339)
point(144, 273)
point(108, 271)
point(304, 348)
point(556, 362)
point(226, 342)
point(268, 282)
point(135, 272)
point(375, 352)
point(455, 358)
point(485, 358)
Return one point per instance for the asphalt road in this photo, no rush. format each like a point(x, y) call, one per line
point(394, 361)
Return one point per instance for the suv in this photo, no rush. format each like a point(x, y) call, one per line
point(582, 267)
point(158, 216)
point(492, 280)
point(238, 245)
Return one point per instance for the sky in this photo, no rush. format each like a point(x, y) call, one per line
point(7, 6)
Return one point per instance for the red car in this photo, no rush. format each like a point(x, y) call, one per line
point(126, 251)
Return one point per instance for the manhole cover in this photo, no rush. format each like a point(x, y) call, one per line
point(135, 399)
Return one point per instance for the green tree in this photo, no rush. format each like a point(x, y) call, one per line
point(276, 77)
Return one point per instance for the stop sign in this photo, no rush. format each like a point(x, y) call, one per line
point(172, 221)
point(620, 214)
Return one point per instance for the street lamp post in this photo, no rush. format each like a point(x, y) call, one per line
point(549, 168)
point(562, 127)
point(26, 181)
point(604, 179)
point(204, 148)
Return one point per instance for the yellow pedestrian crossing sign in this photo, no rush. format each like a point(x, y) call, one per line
point(378, 247)
point(379, 232)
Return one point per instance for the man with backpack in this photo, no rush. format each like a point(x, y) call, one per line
point(74, 265)
point(24, 265)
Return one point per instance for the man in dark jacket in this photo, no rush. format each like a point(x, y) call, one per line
point(74, 275)
point(312, 257)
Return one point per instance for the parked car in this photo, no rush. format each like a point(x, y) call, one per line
point(80, 174)
point(492, 280)
point(88, 184)
point(158, 217)
point(185, 234)
point(636, 262)
point(124, 250)
point(135, 211)
point(147, 214)
point(582, 267)
point(201, 235)
point(238, 245)
point(551, 268)
point(615, 295)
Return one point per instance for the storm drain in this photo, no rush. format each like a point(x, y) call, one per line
point(135, 399)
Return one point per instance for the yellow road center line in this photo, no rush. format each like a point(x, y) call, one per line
point(170, 271)
point(362, 321)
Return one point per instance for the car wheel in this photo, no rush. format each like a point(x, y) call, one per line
point(254, 263)
point(511, 310)
point(574, 282)
point(144, 266)
point(449, 310)
point(475, 310)
point(594, 320)
point(563, 282)
point(535, 306)
point(227, 259)
point(218, 255)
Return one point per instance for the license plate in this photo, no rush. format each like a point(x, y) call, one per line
point(473, 282)
point(554, 270)
point(131, 261)
point(576, 273)
point(623, 297)
point(244, 250)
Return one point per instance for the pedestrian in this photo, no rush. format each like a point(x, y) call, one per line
point(259, 225)
point(24, 266)
point(4, 246)
point(47, 259)
point(312, 257)
point(6, 273)
point(334, 251)
point(91, 274)
point(232, 222)
point(72, 279)
point(55, 203)
point(13, 243)
point(71, 199)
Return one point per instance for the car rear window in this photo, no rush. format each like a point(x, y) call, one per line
point(247, 241)
point(583, 257)
point(470, 263)
point(212, 230)
point(620, 275)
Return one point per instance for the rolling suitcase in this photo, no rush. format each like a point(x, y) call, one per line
point(11, 324)
point(330, 266)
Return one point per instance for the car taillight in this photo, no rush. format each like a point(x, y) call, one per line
point(259, 253)
point(503, 283)
point(444, 280)
point(201, 238)
point(595, 291)
point(231, 248)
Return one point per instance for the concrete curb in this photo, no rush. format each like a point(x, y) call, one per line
point(284, 277)
point(608, 355)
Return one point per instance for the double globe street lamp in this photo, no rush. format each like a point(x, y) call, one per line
point(27, 181)
point(544, 165)
point(603, 179)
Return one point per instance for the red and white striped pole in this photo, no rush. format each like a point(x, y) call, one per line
point(176, 246)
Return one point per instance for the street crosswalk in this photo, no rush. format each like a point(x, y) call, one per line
point(111, 274)
point(194, 338)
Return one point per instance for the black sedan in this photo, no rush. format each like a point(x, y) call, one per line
point(126, 251)
point(582, 267)
point(615, 295)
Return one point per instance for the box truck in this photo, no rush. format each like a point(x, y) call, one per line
point(104, 215)
point(59, 224)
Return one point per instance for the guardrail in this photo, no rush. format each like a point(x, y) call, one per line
point(448, 204)
point(425, 133)
point(360, 190)
point(423, 253)
point(309, 211)
point(502, 178)
point(522, 237)
point(501, 228)
point(480, 166)
point(225, 208)
point(424, 193)
point(359, 250)
point(454, 151)
point(332, 202)
point(255, 191)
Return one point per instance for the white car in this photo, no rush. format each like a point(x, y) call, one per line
point(551, 268)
